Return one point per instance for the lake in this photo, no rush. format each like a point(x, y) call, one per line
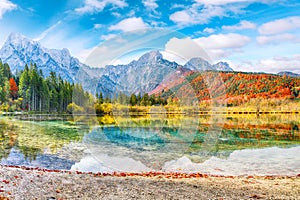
point(222, 145)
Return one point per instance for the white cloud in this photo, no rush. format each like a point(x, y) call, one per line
point(279, 26)
point(181, 17)
point(224, 2)
point(203, 11)
point(276, 39)
point(221, 41)
point(108, 37)
point(220, 2)
point(47, 31)
point(217, 54)
point(211, 48)
point(175, 6)
point(158, 24)
point(92, 6)
point(284, 58)
point(97, 26)
point(150, 4)
point(222, 45)
point(131, 13)
point(209, 30)
point(181, 50)
point(129, 24)
point(241, 26)
point(276, 65)
point(271, 65)
point(5, 6)
point(195, 15)
point(116, 14)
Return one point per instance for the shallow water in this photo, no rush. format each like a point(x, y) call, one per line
point(235, 145)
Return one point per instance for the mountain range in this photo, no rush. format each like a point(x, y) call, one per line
point(287, 73)
point(142, 75)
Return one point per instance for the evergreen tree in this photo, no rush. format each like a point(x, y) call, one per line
point(2, 77)
point(139, 98)
point(34, 87)
point(145, 100)
point(133, 100)
point(24, 87)
point(7, 72)
point(2, 84)
point(152, 100)
point(101, 100)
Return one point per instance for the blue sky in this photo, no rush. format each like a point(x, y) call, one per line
point(251, 35)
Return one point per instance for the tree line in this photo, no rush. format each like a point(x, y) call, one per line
point(132, 99)
point(29, 90)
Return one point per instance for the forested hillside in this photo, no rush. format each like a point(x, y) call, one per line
point(234, 87)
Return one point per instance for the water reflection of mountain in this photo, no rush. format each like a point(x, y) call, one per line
point(47, 161)
point(150, 142)
point(154, 146)
point(151, 146)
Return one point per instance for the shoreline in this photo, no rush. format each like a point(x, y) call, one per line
point(150, 174)
point(36, 183)
point(83, 117)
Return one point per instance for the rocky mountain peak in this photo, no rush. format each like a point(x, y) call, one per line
point(222, 66)
point(16, 37)
point(19, 41)
point(198, 64)
point(151, 57)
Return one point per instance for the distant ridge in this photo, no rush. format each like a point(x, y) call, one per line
point(287, 73)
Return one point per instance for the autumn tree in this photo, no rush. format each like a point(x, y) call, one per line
point(13, 88)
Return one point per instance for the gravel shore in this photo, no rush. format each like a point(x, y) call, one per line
point(22, 183)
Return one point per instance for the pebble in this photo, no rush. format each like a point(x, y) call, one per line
point(20, 183)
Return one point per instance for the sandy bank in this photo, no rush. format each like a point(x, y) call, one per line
point(20, 183)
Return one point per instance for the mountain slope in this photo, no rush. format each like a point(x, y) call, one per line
point(142, 75)
point(18, 51)
point(291, 74)
point(235, 87)
point(198, 64)
point(222, 66)
point(152, 71)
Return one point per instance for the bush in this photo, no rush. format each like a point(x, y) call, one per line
point(73, 108)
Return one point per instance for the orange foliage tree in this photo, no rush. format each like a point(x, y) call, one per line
point(13, 88)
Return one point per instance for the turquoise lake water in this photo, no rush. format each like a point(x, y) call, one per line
point(237, 145)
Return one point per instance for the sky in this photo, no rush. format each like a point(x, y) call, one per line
point(251, 35)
